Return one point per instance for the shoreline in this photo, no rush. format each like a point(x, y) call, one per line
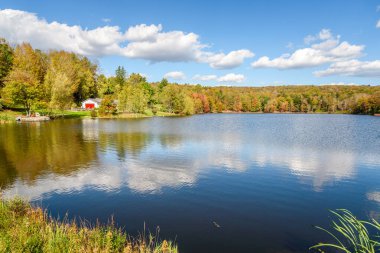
point(13, 116)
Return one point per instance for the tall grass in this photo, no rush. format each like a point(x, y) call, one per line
point(351, 235)
point(24, 228)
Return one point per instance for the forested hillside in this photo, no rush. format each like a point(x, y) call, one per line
point(33, 79)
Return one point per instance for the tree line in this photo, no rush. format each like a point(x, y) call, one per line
point(61, 80)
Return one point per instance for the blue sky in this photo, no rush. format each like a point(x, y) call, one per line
point(245, 43)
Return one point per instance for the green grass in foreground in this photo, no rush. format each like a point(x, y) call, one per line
point(24, 228)
point(351, 235)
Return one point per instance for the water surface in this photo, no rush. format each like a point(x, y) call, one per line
point(265, 179)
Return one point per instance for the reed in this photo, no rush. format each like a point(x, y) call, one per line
point(350, 234)
point(24, 228)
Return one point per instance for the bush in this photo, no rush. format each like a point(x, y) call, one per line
point(94, 114)
point(107, 106)
point(148, 112)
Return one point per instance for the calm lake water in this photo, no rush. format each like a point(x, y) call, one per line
point(265, 179)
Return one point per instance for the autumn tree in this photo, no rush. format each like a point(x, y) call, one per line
point(78, 74)
point(171, 98)
point(24, 83)
point(61, 95)
point(136, 94)
point(107, 106)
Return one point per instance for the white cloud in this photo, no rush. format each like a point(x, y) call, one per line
point(106, 20)
point(378, 24)
point(142, 41)
point(342, 84)
point(352, 68)
point(205, 77)
point(324, 34)
point(227, 61)
point(176, 75)
point(143, 32)
point(172, 46)
point(233, 78)
point(327, 48)
point(19, 26)
point(301, 58)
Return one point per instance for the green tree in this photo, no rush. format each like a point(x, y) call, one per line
point(61, 95)
point(6, 60)
point(164, 82)
point(87, 80)
point(24, 84)
point(188, 106)
point(120, 77)
point(79, 71)
point(104, 86)
point(172, 99)
point(133, 98)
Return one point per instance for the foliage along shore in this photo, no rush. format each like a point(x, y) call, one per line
point(24, 228)
point(60, 80)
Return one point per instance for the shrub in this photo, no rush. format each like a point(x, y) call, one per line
point(94, 114)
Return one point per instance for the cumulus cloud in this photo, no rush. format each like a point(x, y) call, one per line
point(324, 34)
point(142, 41)
point(352, 68)
point(327, 48)
point(233, 78)
point(205, 77)
point(176, 75)
point(228, 78)
point(19, 26)
point(173, 46)
point(106, 20)
point(378, 24)
point(226, 61)
point(143, 32)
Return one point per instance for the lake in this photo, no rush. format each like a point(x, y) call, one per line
point(214, 182)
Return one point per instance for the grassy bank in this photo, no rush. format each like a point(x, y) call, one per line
point(67, 114)
point(137, 115)
point(7, 116)
point(10, 115)
point(24, 228)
